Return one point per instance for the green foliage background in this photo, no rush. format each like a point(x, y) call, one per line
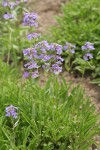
point(79, 23)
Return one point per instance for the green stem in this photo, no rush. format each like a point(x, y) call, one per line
point(9, 45)
point(13, 131)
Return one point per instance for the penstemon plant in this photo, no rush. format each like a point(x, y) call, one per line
point(50, 117)
point(11, 30)
point(48, 56)
point(86, 63)
point(11, 112)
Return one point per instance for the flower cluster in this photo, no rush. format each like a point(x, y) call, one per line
point(11, 5)
point(44, 55)
point(87, 48)
point(30, 19)
point(11, 111)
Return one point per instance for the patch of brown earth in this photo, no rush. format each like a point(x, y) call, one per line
point(46, 10)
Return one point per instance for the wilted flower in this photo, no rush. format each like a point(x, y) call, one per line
point(11, 111)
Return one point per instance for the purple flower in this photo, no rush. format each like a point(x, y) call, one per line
point(56, 47)
point(65, 47)
point(31, 65)
point(32, 35)
point(69, 47)
point(88, 46)
point(26, 52)
point(47, 57)
point(26, 74)
point(88, 56)
point(30, 52)
point(12, 4)
point(8, 16)
point(41, 56)
point(5, 4)
point(29, 19)
point(72, 51)
point(35, 74)
point(56, 69)
point(11, 111)
point(52, 46)
point(43, 46)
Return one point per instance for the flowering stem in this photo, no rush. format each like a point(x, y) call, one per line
point(10, 36)
point(13, 131)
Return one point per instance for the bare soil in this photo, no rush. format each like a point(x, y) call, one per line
point(47, 10)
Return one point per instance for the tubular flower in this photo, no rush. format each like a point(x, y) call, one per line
point(11, 111)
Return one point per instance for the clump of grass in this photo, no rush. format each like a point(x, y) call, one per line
point(49, 117)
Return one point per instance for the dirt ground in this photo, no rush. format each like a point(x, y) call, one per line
point(47, 10)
